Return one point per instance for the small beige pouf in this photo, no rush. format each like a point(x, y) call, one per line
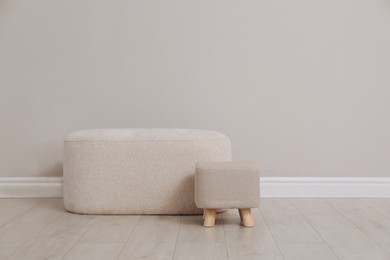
point(137, 171)
point(224, 185)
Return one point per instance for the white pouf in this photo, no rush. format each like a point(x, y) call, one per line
point(137, 171)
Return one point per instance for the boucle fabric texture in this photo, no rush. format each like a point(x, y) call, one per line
point(227, 185)
point(137, 171)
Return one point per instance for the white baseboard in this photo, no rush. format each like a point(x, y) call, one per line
point(270, 187)
point(30, 187)
point(325, 187)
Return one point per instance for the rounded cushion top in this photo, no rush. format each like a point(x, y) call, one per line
point(227, 165)
point(143, 134)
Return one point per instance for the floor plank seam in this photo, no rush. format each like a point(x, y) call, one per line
point(361, 230)
point(177, 237)
point(40, 231)
point(318, 233)
point(377, 211)
point(272, 235)
point(224, 231)
point(128, 238)
point(75, 243)
point(21, 214)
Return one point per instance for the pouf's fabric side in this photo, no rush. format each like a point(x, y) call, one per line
point(227, 185)
point(136, 177)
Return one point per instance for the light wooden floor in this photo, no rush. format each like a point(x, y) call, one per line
point(285, 229)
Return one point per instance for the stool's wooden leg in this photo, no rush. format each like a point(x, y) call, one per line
point(247, 218)
point(209, 217)
point(239, 211)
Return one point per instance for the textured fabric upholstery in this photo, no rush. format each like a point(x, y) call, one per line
point(227, 185)
point(137, 171)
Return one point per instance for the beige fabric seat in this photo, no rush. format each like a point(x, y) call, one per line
point(227, 185)
point(137, 171)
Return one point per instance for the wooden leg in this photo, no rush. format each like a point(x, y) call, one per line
point(247, 218)
point(209, 217)
point(239, 211)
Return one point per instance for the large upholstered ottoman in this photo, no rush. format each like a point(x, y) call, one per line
point(137, 171)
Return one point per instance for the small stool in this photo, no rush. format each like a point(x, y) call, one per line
point(227, 185)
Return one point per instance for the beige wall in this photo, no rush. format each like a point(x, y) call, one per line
point(302, 87)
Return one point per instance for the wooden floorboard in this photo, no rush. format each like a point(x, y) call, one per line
point(95, 251)
point(61, 231)
point(380, 205)
point(346, 239)
point(295, 236)
point(13, 208)
point(284, 229)
point(249, 242)
point(197, 242)
point(371, 224)
point(154, 237)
